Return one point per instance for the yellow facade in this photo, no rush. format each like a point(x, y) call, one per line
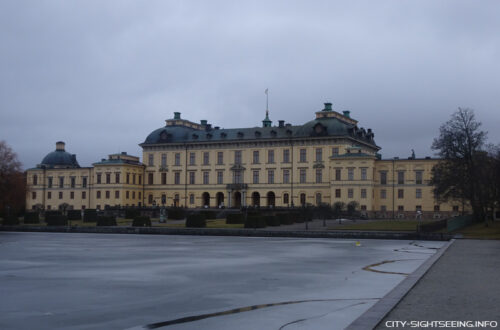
point(327, 160)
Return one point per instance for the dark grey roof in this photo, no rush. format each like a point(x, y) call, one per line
point(117, 161)
point(60, 158)
point(314, 128)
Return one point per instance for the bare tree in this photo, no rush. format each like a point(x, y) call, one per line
point(12, 180)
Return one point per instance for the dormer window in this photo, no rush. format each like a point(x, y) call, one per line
point(209, 136)
point(223, 135)
point(289, 132)
point(163, 136)
point(258, 134)
point(195, 136)
point(240, 134)
point(273, 133)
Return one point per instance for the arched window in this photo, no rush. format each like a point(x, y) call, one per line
point(286, 198)
point(318, 199)
point(303, 199)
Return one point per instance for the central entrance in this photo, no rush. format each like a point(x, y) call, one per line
point(237, 199)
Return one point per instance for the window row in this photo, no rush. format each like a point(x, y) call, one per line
point(401, 177)
point(237, 157)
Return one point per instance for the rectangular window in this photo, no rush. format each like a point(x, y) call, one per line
point(35, 180)
point(192, 158)
point(49, 183)
point(61, 182)
point(302, 156)
point(220, 158)
point(151, 159)
point(319, 154)
point(383, 194)
point(418, 208)
point(237, 177)
point(133, 194)
point(71, 195)
point(127, 194)
point(108, 194)
point(60, 195)
point(401, 177)
point(150, 178)
point(177, 159)
point(363, 207)
point(108, 178)
point(418, 193)
point(117, 177)
point(191, 199)
point(237, 157)
point(206, 158)
point(302, 178)
point(84, 182)
point(163, 160)
point(401, 208)
point(338, 173)
point(117, 194)
point(337, 193)
point(455, 208)
point(286, 198)
point(418, 177)
point(256, 157)
point(319, 176)
point(128, 178)
point(270, 156)
point(350, 174)
point(270, 176)
point(98, 178)
point(363, 193)
point(72, 182)
point(255, 176)
point(164, 178)
point(220, 177)
point(49, 195)
point(383, 177)
point(350, 193)
point(33, 195)
point(84, 194)
point(191, 177)
point(286, 176)
point(206, 177)
point(150, 199)
point(383, 208)
point(177, 178)
point(286, 155)
point(133, 178)
point(335, 151)
point(363, 173)
point(140, 179)
point(401, 193)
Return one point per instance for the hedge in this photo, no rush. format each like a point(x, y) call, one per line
point(56, 220)
point(272, 220)
point(132, 213)
point(74, 214)
point(255, 222)
point(285, 218)
point(176, 213)
point(106, 221)
point(196, 221)
point(89, 215)
point(141, 221)
point(31, 218)
point(210, 214)
point(235, 218)
point(10, 220)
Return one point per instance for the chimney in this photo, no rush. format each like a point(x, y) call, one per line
point(203, 122)
point(60, 146)
point(177, 115)
point(216, 127)
point(347, 113)
point(328, 107)
point(281, 123)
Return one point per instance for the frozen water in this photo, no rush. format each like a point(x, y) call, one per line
point(99, 281)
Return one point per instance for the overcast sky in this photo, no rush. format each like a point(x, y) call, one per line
point(101, 75)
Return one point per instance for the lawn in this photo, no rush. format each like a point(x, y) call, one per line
point(381, 225)
point(480, 231)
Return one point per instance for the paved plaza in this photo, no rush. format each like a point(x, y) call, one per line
point(101, 281)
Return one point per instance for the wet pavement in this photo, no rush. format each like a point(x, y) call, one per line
point(101, 281)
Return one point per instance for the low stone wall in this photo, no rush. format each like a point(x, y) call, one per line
point(233, 232)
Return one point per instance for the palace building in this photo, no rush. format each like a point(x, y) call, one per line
point(326, 160)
